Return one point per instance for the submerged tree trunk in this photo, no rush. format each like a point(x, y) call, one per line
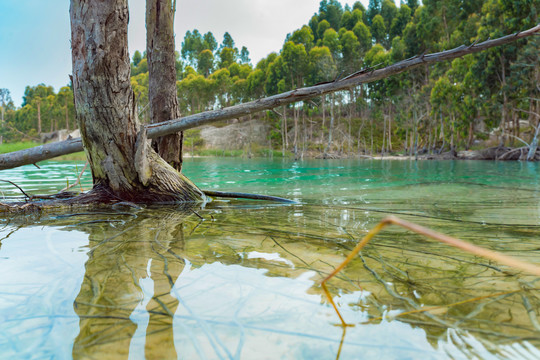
point(162, 91)
point(123, 164)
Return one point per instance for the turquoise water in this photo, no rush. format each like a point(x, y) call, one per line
point(240, 279)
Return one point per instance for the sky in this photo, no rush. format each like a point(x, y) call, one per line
point(35, 34)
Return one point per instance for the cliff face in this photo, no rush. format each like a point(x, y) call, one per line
point(235, 136)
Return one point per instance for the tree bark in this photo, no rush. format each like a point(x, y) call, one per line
point(162, 91)
point(123, 164)
point(44, 152)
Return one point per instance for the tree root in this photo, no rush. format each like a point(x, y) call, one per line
point(100, 196)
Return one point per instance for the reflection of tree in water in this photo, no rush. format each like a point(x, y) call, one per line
point(111, 289)
point(399, 273)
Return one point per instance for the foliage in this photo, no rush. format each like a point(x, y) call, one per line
point(459, 101)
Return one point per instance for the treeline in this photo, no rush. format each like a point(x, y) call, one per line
point(435, 108)
point(43, 110)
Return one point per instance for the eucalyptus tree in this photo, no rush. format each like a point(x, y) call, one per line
point(122, 164)
point(303, 36)
point(350, 51)
point(64, 99)
point(322, 27)
point(378, 30)
point(205, 62)
point(244, 55)
point(400, 21)
point(388, 12)
point(137, 57)
point(227, 56)
point(331, 41)
point(5, 98)
point(331, 10)
point(192, 45)
point(162, 94)
point(374, 9)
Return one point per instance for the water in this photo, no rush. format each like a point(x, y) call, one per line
point(240, 279)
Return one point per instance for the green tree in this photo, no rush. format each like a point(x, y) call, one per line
point(205, 63)
point(374, 9)
point(209, 41)
point(137, 57)
point(350, 51)
point(364, 37)
point(255, 83)
point(413, 4)
point(400, 21)
point(227, 56)
point(314, 25)
point(192, 46)
point(322, 27)
point(227, 42)
point(295, 61)
point(378, 29)
point(5, 99)
point(388, 11)
point(64, 100)
point(244, 55)
point(303, 36)
point(275, 74)
point(222, 82)
point(331, 41)
point(322, 66)
point(331, 11)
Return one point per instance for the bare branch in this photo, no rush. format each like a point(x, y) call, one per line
point(48, 151)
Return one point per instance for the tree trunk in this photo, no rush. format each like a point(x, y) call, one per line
point(384, 135)
point(390, 129)
point(67, 115)
point(39, 116)
point(295, 115)
point(285, 127)
point(123, 164)
point(331, 126)
point(505, 101)
point(162, 92)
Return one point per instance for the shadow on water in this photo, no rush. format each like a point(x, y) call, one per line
point(240, 279)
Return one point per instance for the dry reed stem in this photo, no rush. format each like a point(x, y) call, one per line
point(460, 244)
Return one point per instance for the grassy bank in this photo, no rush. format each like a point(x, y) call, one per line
point(16, 146)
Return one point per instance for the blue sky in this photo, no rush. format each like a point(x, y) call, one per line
point(35, 34)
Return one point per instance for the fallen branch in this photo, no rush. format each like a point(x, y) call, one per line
point(237, 195)
point(48, 151)
point(460, 244)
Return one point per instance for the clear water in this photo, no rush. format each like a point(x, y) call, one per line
point(240, 279)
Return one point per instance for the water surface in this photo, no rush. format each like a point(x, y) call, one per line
point(240, 279)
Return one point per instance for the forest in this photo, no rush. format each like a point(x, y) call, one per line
point(481, 100)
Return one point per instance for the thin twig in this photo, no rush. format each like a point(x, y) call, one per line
point(17, 186)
